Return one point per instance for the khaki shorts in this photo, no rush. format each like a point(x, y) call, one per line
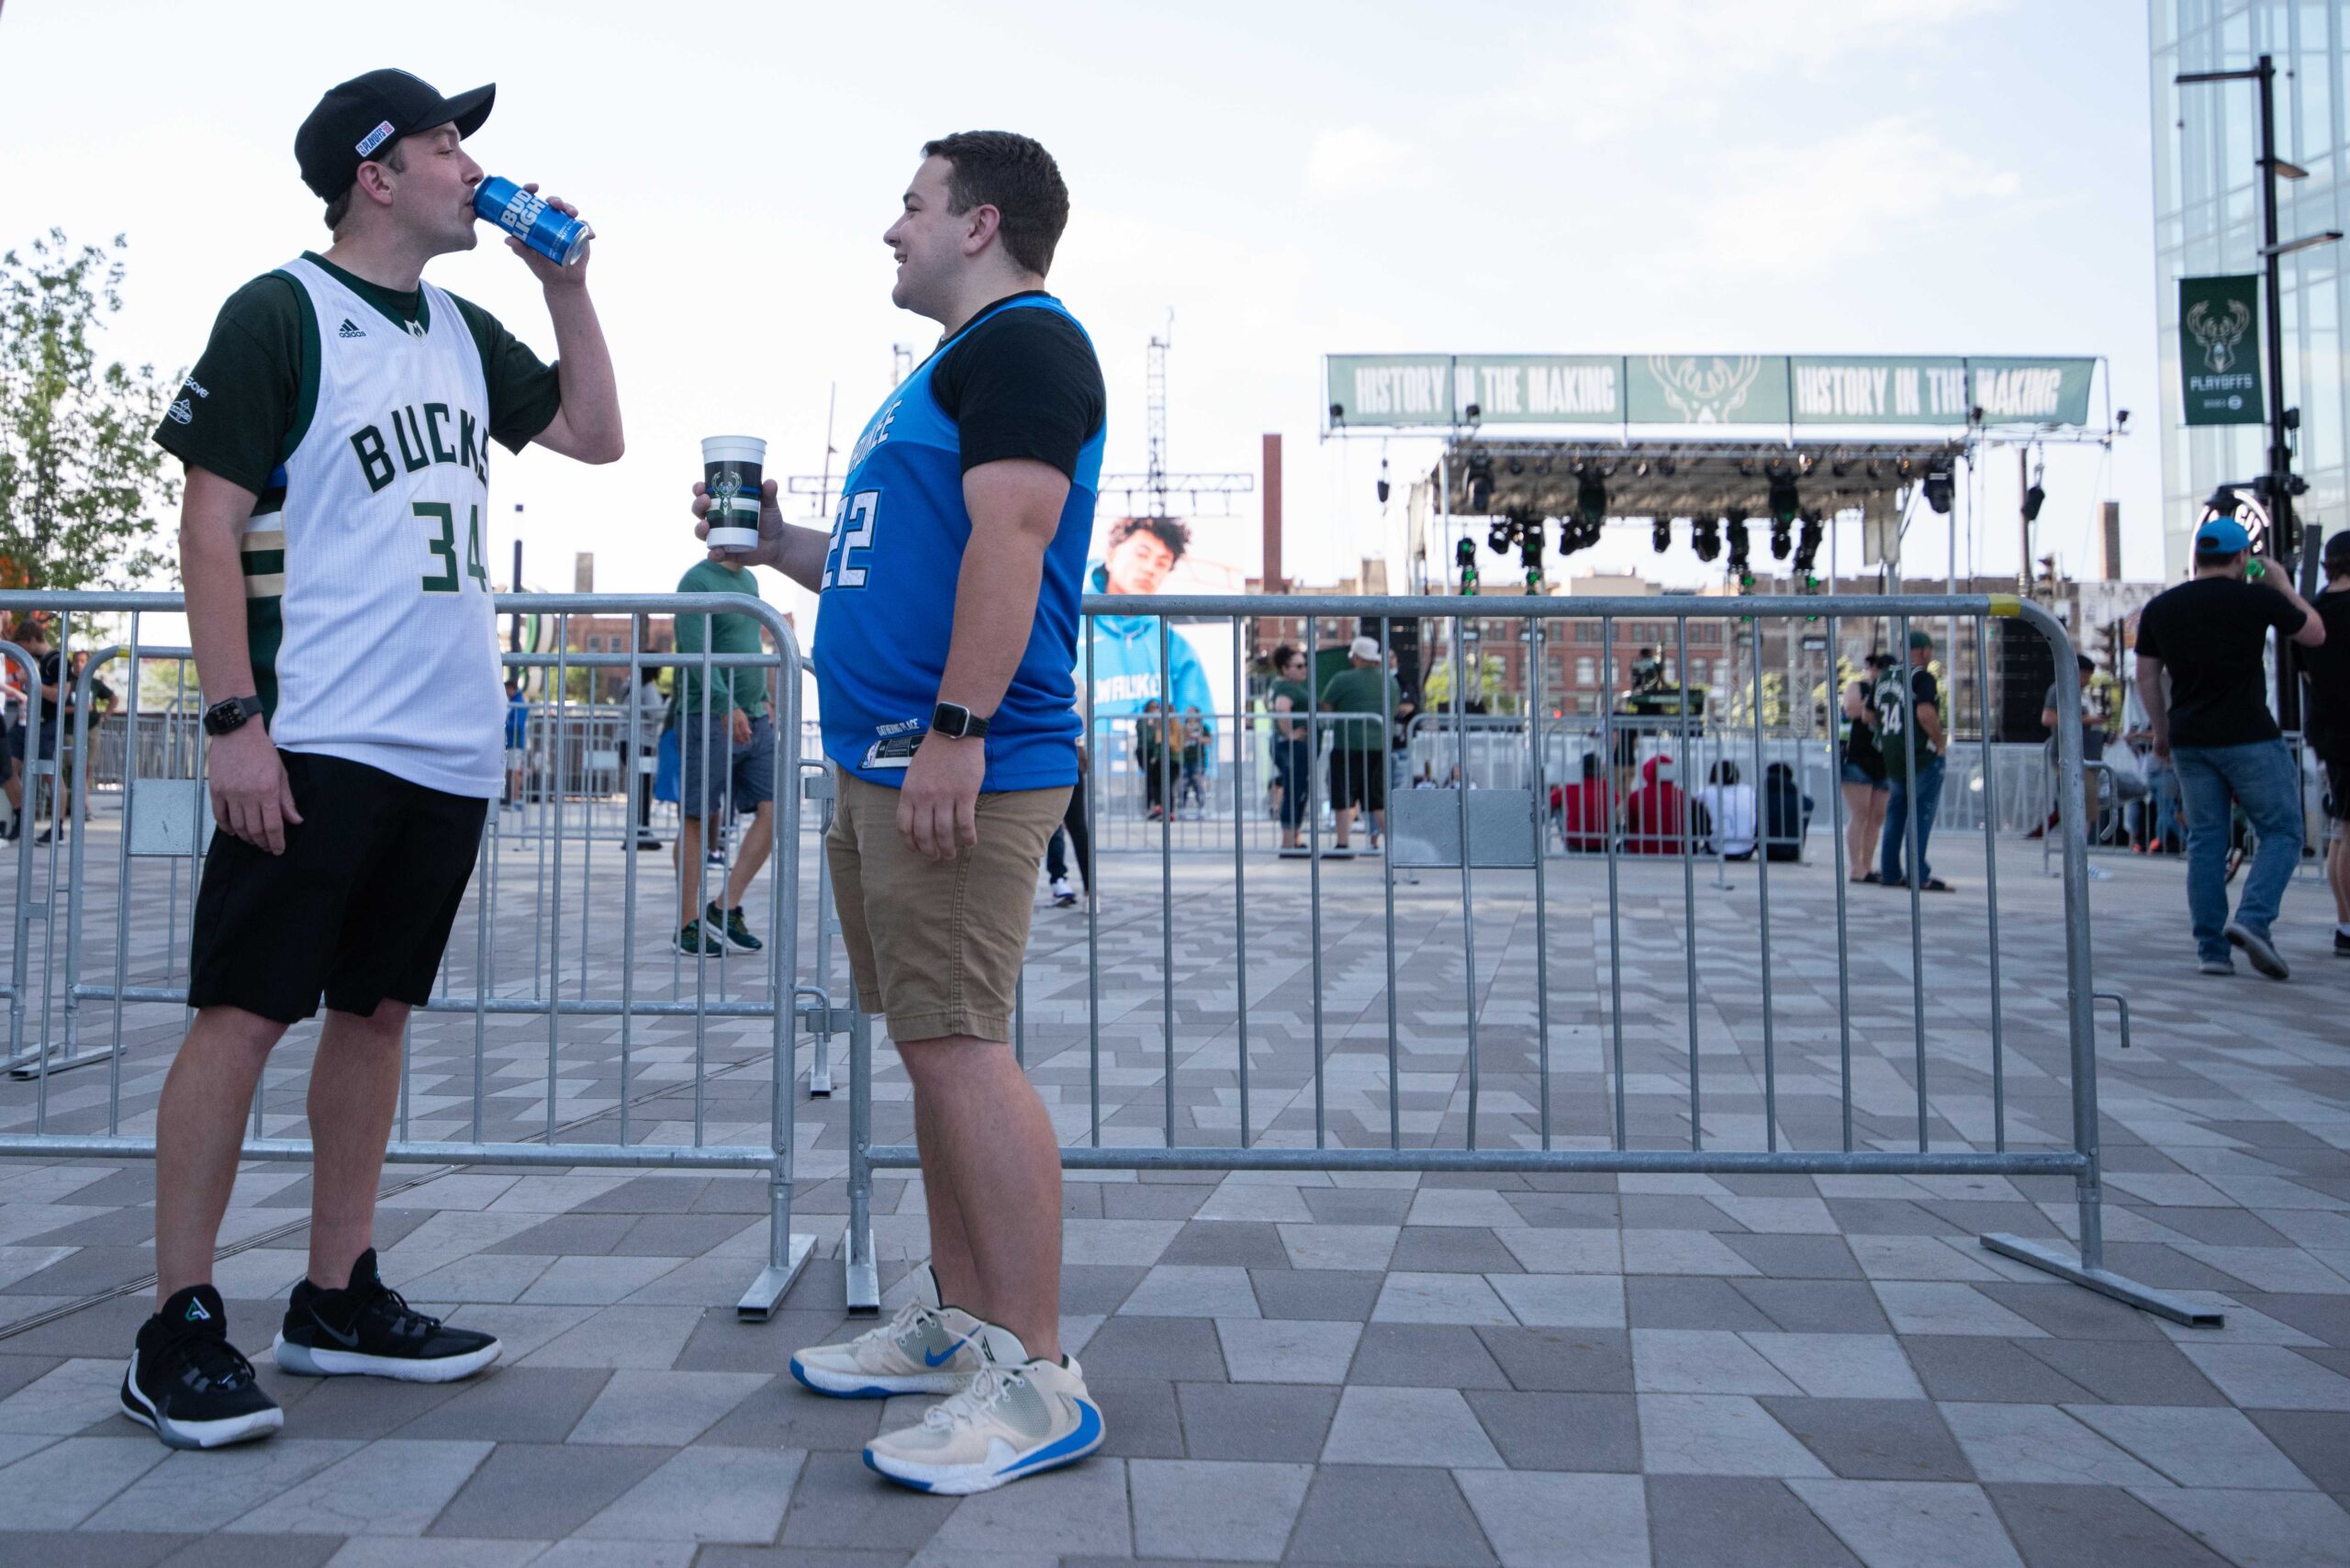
point(936, 945)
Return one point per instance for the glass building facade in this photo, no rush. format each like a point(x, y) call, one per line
point(2206, 219)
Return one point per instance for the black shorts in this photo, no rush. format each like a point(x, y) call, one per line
point(359, 907)
point(1358, 779)
point(2337, 762)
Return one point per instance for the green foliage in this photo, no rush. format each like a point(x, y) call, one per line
point(81, 483)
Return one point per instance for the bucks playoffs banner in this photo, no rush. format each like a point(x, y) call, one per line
point(2218, 349)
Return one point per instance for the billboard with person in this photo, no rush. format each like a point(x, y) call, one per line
point(1125, 661)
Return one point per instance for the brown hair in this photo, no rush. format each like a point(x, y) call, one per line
point(1015, 175)
point(1171, 532)
point(338, 209)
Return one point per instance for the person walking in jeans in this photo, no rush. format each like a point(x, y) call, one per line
point(2210, 635)
point(1913, 761)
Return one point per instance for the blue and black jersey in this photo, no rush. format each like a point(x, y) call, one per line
point(1019, 380)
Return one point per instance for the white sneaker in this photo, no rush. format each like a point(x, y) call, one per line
point(1063, 894)
point(925, 1348)
point(1017, 1419)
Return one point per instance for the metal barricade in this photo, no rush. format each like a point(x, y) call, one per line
point(1468, 1084)
point(567, 1023)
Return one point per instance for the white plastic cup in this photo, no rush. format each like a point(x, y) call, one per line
point(730, 467)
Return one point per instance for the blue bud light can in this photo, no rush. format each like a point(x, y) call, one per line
point(529, 218)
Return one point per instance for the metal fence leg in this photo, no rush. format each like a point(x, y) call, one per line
point(787, 1253)
point(2088, 1269)
point(864, 1272)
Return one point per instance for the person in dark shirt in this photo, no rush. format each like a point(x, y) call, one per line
point(1911, 738)
point(2210, 635)
point(1862, 775)
point(2326, 720)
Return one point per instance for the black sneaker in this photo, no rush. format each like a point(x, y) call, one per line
point(730, 921)
point(190, 1386)
point(697, 937)
point(2340, 943)
point(366, 1329)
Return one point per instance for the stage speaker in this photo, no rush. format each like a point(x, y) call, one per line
point(1406, 634)
point(2022, 666)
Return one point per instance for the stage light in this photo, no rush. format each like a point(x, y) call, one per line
point(1497, 539)
point(1517, 466)
point(1668, 466)
point(1591, 497)
point(1808, 544)
point(1475, 412)
point(1660, 534)
point(1784, 504)
point(1383, 482)
point(1840, 468)
point(1937, 485)
point(2033, 500)
point(1480, 484)
point(1529, 554)
point(1705, 537)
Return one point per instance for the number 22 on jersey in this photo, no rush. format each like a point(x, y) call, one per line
point(852, 533)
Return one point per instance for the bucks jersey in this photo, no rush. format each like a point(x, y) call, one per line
point(367, 600)
point(887, 608)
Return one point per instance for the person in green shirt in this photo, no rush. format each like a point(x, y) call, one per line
point(725, 754)
point(1358, 745)
point(1293, 748)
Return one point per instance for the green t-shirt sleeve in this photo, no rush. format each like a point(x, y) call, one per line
point(525, 392)
point(239, 411)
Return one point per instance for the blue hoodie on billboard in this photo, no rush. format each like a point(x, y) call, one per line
point(1125, 662)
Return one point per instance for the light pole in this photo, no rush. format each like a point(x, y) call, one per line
point(2281, 484)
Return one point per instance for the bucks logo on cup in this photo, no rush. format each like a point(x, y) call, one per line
point(731, 470)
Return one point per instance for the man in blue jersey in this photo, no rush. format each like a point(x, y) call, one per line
point(946, 636)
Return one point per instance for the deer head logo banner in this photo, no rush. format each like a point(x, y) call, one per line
point(2219, 333)
point(1705, 391)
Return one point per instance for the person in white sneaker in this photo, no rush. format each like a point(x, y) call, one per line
point(945, 647)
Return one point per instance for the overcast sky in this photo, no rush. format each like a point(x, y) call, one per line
point(1841, 177)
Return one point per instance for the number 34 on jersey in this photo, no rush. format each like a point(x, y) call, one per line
point(440, 521)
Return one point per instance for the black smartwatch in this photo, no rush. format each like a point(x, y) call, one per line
point(230, 714)
point(957, 723)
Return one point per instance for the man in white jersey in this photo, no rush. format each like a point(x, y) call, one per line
point(336, 434)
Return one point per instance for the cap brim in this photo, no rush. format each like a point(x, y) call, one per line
point(468, 110)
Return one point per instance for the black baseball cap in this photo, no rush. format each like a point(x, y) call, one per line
point(359, 117)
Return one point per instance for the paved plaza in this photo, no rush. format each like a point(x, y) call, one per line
point(1371, 1367)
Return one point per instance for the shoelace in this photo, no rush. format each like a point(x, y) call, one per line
point(988, 1385)
point(388, 1300)
point(221, 1364)
point(912, 1313)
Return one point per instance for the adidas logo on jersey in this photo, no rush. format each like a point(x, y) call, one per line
point(350, 328)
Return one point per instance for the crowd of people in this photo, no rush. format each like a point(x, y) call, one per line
point(41, 727)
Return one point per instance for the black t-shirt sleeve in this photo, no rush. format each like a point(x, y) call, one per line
point(1926, 691)
point(1024, 383)
point(233, 412)
point(2150, 629)
point(2283, 614)
point(525, 393)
